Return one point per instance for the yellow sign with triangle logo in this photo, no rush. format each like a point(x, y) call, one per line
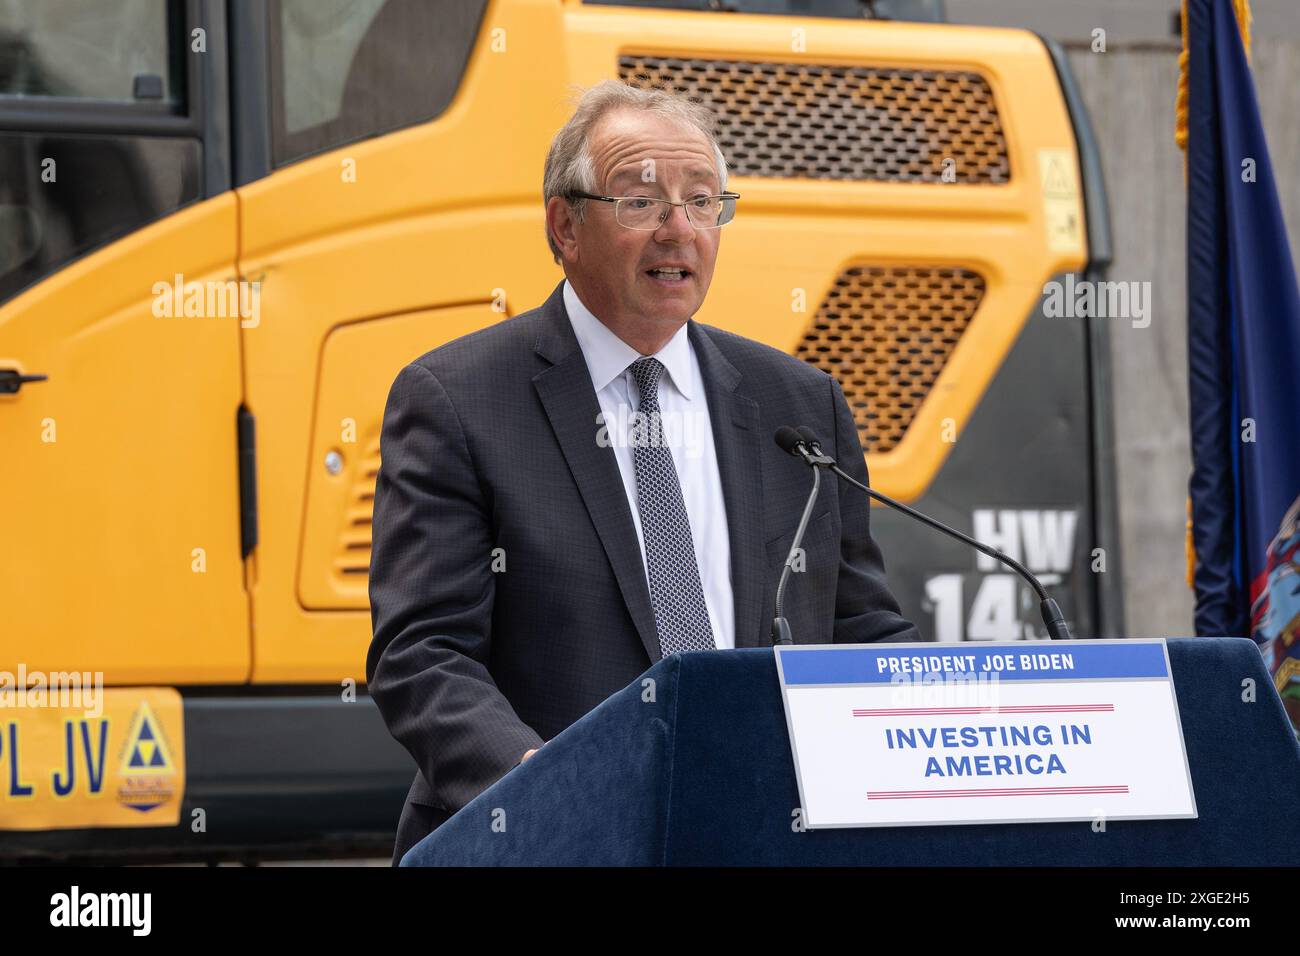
point(146, 751)
point(114, 760)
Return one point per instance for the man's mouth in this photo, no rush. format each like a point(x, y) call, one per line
point(670, 275)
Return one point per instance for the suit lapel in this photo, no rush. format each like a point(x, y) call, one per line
point(569, 399)
point(736, 438)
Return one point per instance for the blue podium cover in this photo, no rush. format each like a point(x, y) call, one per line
point(691, 765)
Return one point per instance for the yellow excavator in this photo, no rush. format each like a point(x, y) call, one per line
point(223, 234)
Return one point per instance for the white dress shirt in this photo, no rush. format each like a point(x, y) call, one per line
point(688, 431)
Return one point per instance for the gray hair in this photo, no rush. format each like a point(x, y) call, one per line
point(568, 164)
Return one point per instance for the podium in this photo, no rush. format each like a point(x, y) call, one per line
point(691, 765)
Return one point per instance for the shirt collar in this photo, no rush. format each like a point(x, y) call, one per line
point(608, 356)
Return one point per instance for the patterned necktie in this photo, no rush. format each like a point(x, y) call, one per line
point(681, 616)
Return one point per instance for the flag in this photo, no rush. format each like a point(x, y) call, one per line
point(1243, 338)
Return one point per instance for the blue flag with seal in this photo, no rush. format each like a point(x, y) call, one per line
point(1243, 328)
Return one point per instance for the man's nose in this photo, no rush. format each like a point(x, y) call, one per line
point(676, 224)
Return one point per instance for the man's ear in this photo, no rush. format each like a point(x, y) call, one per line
point(560, 224)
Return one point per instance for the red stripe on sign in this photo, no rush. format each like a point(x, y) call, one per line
point(1000, 792)
point(1017, 709)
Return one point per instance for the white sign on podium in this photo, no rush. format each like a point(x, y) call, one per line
point(933, 734)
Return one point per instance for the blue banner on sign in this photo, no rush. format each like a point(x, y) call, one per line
point(1035, 661)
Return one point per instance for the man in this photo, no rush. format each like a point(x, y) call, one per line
point(573, 493)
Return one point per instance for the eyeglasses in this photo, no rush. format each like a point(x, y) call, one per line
point(645, 212)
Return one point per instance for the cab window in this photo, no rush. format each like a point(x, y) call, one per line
point(94, 137)
point(346, 70)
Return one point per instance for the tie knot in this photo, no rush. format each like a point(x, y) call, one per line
point(647, 371)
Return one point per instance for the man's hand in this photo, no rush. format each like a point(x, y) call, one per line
point(527, 755)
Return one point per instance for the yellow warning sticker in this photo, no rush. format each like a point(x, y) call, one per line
point(114, 759)
point(1061, 207)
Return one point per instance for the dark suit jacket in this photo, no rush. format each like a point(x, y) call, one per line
point(489, 442)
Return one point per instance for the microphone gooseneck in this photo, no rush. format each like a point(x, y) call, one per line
point(791, 443)
point(1053, 619)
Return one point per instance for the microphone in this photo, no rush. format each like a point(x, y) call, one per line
point(797, 443)
point(807, 446)
point(792, 443)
